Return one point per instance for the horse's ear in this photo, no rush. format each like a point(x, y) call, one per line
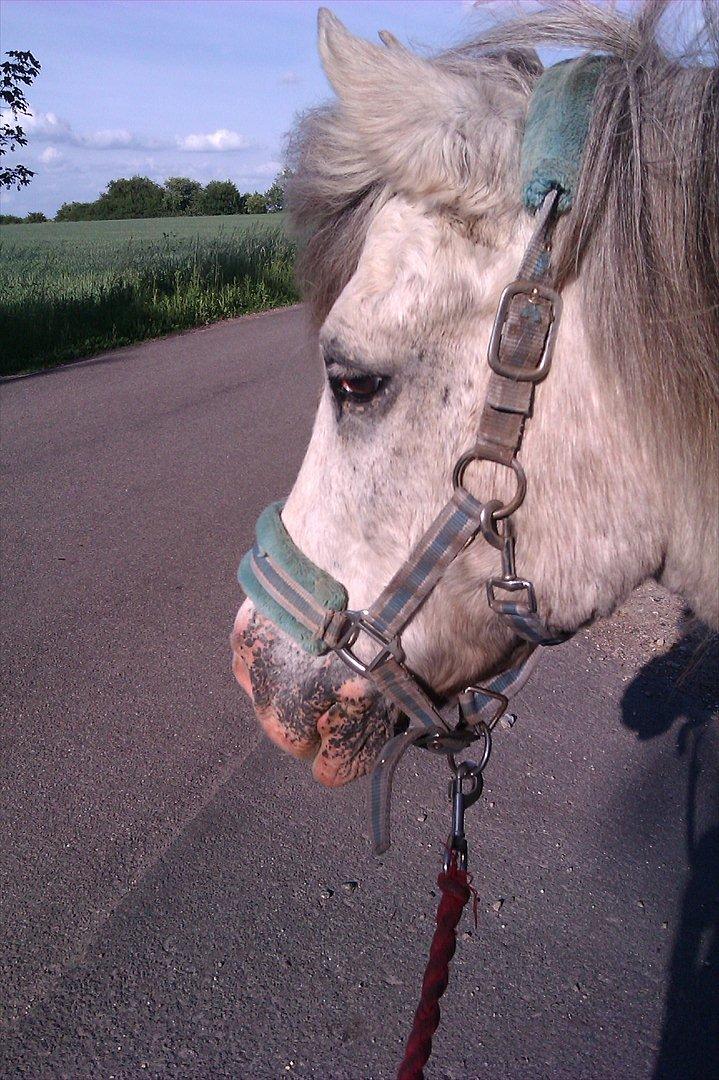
point(387, 38)
point(429, 131)
point(341, 51)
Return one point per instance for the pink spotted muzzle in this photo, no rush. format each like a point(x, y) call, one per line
point(314, 708)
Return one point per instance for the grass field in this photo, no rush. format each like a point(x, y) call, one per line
point(71, 289)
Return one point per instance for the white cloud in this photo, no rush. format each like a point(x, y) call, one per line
point(110, 140)
point(222, 139)
point(51, 155)
point(289, 78)
point(49, 127)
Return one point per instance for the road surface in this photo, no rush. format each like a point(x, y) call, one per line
point(178, 898)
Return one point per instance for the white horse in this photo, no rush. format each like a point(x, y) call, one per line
point(407, 193)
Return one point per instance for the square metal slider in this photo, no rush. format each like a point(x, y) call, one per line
point(532, 290)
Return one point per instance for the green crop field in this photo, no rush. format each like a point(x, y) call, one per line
point(71, 289)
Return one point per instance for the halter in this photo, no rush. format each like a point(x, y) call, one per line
point(311, 606)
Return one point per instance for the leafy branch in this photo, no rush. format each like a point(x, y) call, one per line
point(18, 71)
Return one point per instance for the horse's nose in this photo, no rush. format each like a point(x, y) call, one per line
point(312, 707)
point(276, 693)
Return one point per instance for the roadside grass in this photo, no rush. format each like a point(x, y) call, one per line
point(71, 289)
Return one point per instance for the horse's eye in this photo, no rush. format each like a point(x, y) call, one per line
point(358, 388)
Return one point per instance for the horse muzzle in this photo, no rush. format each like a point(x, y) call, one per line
point(311, 707)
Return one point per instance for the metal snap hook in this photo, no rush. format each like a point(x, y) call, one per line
point(464, 789)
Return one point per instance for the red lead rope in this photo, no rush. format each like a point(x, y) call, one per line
point(456, 891)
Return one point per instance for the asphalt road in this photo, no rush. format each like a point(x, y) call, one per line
point(178, 898)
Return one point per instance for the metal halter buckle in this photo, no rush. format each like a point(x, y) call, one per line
point(359, 623)
point(502, 704)
point(448, 742)
point(455, 740)
point(532, 290)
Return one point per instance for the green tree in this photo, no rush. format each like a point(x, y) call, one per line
point(136, 197)
point(10, 219)
point(275, 194)
point(256, 203)
point(220, 197)
point(183, 193)
point(76, 211)
point(34, 217)
point(20, 69)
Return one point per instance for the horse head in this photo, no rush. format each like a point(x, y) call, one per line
point(407, 190)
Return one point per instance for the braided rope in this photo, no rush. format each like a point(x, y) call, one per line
point(456, 891)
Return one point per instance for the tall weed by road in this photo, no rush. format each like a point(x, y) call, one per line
point(61, 302)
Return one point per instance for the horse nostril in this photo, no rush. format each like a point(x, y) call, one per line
point(293, 739)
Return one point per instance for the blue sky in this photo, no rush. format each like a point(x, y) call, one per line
point(202, 88)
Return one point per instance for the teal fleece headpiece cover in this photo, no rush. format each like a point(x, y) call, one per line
point(556, 130)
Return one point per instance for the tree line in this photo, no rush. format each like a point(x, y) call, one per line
point(179, 196)
point(133, 197)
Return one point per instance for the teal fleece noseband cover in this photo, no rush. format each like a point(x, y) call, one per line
point(556, 130)
point(257, 572)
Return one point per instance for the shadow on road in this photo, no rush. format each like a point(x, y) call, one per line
point(682, 686)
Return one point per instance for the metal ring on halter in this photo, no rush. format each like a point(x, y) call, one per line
point(358, 623)
point(483, 730)
point(502, 705)
point(483, 452)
